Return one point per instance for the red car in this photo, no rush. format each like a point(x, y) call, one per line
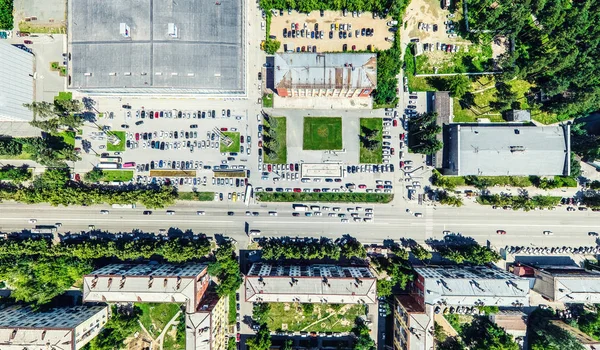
point(392, 151)
point(316, 190)
point(402, 136)
point(77, 177)
point(259, 143)
point(269, 167)
point(501, 232)
point(362, 186)
point(223, 129)
point(379, 186)
point(297, 190)
point(297, 26)
point(241, 139)
point(237, 338)
point(27, 42)
point(401, 164)
point(137, 136)
point(156, 115)
point(353, 47)
point(395, 122)
point(291, 167)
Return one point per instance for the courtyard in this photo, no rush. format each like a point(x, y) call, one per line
point(314, 317)
point(322, 133)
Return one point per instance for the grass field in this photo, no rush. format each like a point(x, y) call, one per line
point(267, 100)
point(322, 133)
point(278, 143)
point(235, 146)
point(117, 175)
point(155, 316)
point(63, 96)
point(313, 318)
point(68, 137)
point(116, 148)
point(366, 155)
point(196, 196)
point(324, 197)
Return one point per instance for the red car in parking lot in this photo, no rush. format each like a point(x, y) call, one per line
point(362, 186)
point(402, 137)
point(223, 129)
point(137, 136)
point(241, 139)
point(317, 190)
point(395, 122)
point(297, 190)
point(156, 115)
point(291, 167)
point(259, 143)
point(379, 186)
point(269, 167)
point(401, 164)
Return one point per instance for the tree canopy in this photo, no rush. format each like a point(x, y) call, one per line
point(226, 268)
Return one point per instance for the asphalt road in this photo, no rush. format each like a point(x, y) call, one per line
point(390, 222)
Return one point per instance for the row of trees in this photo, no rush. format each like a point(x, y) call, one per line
point(522, 201)
point(274, 139)
point(324, 248)
point(16, 175)
point(55, 187)
point(49, 150)
point(61, 114)
point(397, 268)
point(226, 269)
point(468, 252)
point(6, 17)
point(480, 334)
point(423, 132)
point(446, 199)
point(395, 7)
point(262, 340)
point(122, 324)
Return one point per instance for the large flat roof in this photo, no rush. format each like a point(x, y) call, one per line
point(325, 71)
point(205, 56)
point(311, 284)
point(502, 150)
point(16, 75)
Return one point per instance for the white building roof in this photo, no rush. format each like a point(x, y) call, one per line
point(16, 75)
point(325, 71)
point(469, 285)
point(569, 284)
point(59, 329)
point(153, 283)
point(311, 284)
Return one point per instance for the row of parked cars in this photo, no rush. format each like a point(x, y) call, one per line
point(143, 114)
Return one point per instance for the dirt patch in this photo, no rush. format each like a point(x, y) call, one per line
point(499, 46)
point(377, 41)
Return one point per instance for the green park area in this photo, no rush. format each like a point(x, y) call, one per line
point(371, 138)
point(117, 175)
point(275, 140)
point(120, 147)
point(322, 133)
point(313, 317)
point(234, 146)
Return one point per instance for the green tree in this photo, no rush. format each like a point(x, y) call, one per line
point(363, 336)
point(120, 326)
point(447, 199)
point(271, 46)
point(227, 269)
point(260, 312)
point(544, 335)
point(589, 323)
point(420, 253)
point(482, 334)
point(262, 340)
point(287, 345)
point(458, 85)
point(95, 175)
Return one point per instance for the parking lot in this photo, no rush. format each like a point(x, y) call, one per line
point(331, 32)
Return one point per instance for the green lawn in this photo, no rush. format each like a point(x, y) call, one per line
point(68, 137)
point(267, 101)
point(300, 317)
point(324, 197)
point(232, 310)
point(119, 147)
point(117, 175)
point(155, 316)
point(64, 96)
point(322, 133)
point(374, 156)
point(196, 196)
point(478, 58)
point(235, 146)
point(176, 342)
point(275, 141)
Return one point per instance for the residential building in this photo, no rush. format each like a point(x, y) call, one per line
point(156, 47)
point(65, 328)
point(16, 75)
point(506, 150)
point(148, 283)
point(206, 329)
point(311, 284)
point(469, 286)
point(325, 74)
point(413, 324)
point(585, 340)
point(568, 284)
point(514, 323)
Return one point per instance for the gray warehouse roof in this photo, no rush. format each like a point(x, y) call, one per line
point(16, 75)
point(326, 71)
point(182, 46)
point(466, 285)
point(496, 150)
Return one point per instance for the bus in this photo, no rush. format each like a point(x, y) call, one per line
point(129, 165)
point(44, 229)
point(300, 207)
point(111, 159)
point(104, 165)
point(123, 206)
point(248, 195)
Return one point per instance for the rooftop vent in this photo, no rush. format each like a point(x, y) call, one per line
point(172, 30)
point(124, 30)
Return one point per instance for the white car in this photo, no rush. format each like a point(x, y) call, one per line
point(273, 213)
point(32, 221)
point(103, 212)
point(548, 233)
point(200, 212)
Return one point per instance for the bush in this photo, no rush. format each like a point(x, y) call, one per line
point(10, 172)
point(10, 147)
point(347, 197)
point(6, 14)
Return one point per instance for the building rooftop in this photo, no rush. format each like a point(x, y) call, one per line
point(21, 327)
point(442, 105)
point(569, 284)
point(311, 284)
point(468, 285)
point(158, 283)
point(519, 115)
point(146, 46)
point(16, 75)
point(498, 150)
point(325, 71)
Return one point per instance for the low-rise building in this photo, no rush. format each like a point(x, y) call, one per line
point(311, 284)
point(469, 286)
point(506, 150)
point(65, 328)
point(413, 324)
point(325, 74)
point(514, 323)
point(148, 283)
point(567, 284)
